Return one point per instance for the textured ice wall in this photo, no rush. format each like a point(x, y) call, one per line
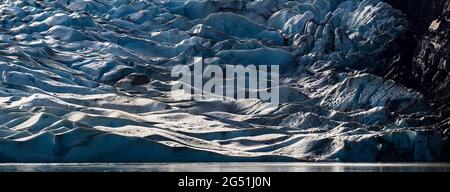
point(87, 81)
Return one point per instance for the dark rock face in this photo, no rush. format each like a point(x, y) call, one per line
point(424, 51)
point(420, 59)
point(431, 61)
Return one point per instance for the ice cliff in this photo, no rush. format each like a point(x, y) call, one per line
point(88, 81)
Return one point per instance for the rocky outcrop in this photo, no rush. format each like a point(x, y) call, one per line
point(425, 49)
point(420, 58)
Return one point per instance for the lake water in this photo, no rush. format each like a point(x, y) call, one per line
point(225, 167)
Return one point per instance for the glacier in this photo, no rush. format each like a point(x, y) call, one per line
point(88, 81)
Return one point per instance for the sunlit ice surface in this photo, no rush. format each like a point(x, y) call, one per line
point(88, 81)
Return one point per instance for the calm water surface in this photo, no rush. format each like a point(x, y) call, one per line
point(225, 167)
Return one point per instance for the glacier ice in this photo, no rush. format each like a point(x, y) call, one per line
point(88, 81)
